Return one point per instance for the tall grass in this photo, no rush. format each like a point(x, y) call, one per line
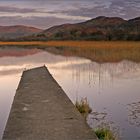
point(100, 51)
point(83, 107)
point(105, 134)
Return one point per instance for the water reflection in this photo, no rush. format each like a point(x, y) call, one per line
point(109, 87)
point(16, 52)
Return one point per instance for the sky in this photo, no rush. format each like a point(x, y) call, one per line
point(46, 13)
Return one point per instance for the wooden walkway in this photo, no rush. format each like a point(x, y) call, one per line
point(42, 111)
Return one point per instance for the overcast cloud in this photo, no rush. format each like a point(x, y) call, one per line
point(47, 13)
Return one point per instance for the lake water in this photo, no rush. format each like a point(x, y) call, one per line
point(112, 89)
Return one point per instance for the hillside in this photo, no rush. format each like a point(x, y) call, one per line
point(10, 32)
point(100, 28)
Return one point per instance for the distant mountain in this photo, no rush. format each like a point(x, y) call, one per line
point(100, 28)
point(10, 32)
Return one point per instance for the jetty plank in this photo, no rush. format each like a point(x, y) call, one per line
point(41, 110)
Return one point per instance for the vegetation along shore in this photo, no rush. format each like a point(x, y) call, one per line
point(99, 51)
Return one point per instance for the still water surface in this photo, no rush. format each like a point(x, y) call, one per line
point(112, 89)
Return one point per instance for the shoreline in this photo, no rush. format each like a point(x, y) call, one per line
point(98, 51)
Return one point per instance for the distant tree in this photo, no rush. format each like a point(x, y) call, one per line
point(59, 35)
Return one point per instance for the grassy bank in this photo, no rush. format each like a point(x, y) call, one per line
point(83, 107)
point(100, 51)
point(105, 134)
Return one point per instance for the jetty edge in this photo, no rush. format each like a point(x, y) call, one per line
point(41, 110)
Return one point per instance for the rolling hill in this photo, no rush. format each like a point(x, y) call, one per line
point(10, 32)
point(100, 28)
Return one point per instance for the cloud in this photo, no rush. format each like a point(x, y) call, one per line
point(30, 12)
point(39, 22)
point(46, 13)
point(38, 17)
point(125, 9)
point(9, 9)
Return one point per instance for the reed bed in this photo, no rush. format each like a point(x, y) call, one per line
point(99, 51)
